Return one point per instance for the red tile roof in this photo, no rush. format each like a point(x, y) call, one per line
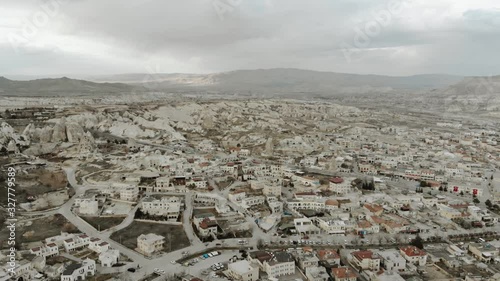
point(364, 224)
point(328, 254)
point(343, 272)
point(332, 202)
point(412, 251)
point(361, 255)
point(373, 208)
point(337, 180)
point(206, 223)
point(377, 219)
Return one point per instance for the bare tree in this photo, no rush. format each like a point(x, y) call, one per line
point(381, 240)
point(399, 238)
point(170, 277)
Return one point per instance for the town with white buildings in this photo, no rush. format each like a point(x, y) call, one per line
point(252, 190)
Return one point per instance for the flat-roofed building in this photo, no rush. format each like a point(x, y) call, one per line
point(484, 252)
point(392, 260)
point(275, 264)
point(148, 244)
point(243, 271)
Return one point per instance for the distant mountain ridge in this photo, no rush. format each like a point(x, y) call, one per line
point(261, 81)
point(59, 86)
point(284, 80)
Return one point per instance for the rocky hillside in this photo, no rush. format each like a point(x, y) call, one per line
point(473, 94)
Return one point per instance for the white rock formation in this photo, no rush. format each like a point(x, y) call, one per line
point(59, 132)
point(74, 132)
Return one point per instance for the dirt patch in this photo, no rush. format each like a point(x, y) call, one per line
point(103, 223)
point(175, 237)
point(198, 211)
point(55, 180)
point(57, 259)
point(39, 229)
point(39, 182)
point(225, 184)
point(435, 273)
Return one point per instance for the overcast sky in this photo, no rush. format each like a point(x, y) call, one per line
point(393, 37)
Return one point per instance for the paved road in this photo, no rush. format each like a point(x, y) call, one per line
point(256, 230)
point(186, 219)
point(126, 222)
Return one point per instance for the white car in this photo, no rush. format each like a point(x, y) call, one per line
point(173, 262)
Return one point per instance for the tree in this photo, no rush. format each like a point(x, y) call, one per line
point(418, 242)
point(244, 254)
point(440, 188)
point(476, 201)
point(488, 203)
point(260, 243)
point(462, 193)
point(466, 225)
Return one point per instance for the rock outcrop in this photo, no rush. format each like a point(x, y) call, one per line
point(59, 132)
point(74, 132)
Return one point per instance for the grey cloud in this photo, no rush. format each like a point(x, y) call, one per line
point(257, 34)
